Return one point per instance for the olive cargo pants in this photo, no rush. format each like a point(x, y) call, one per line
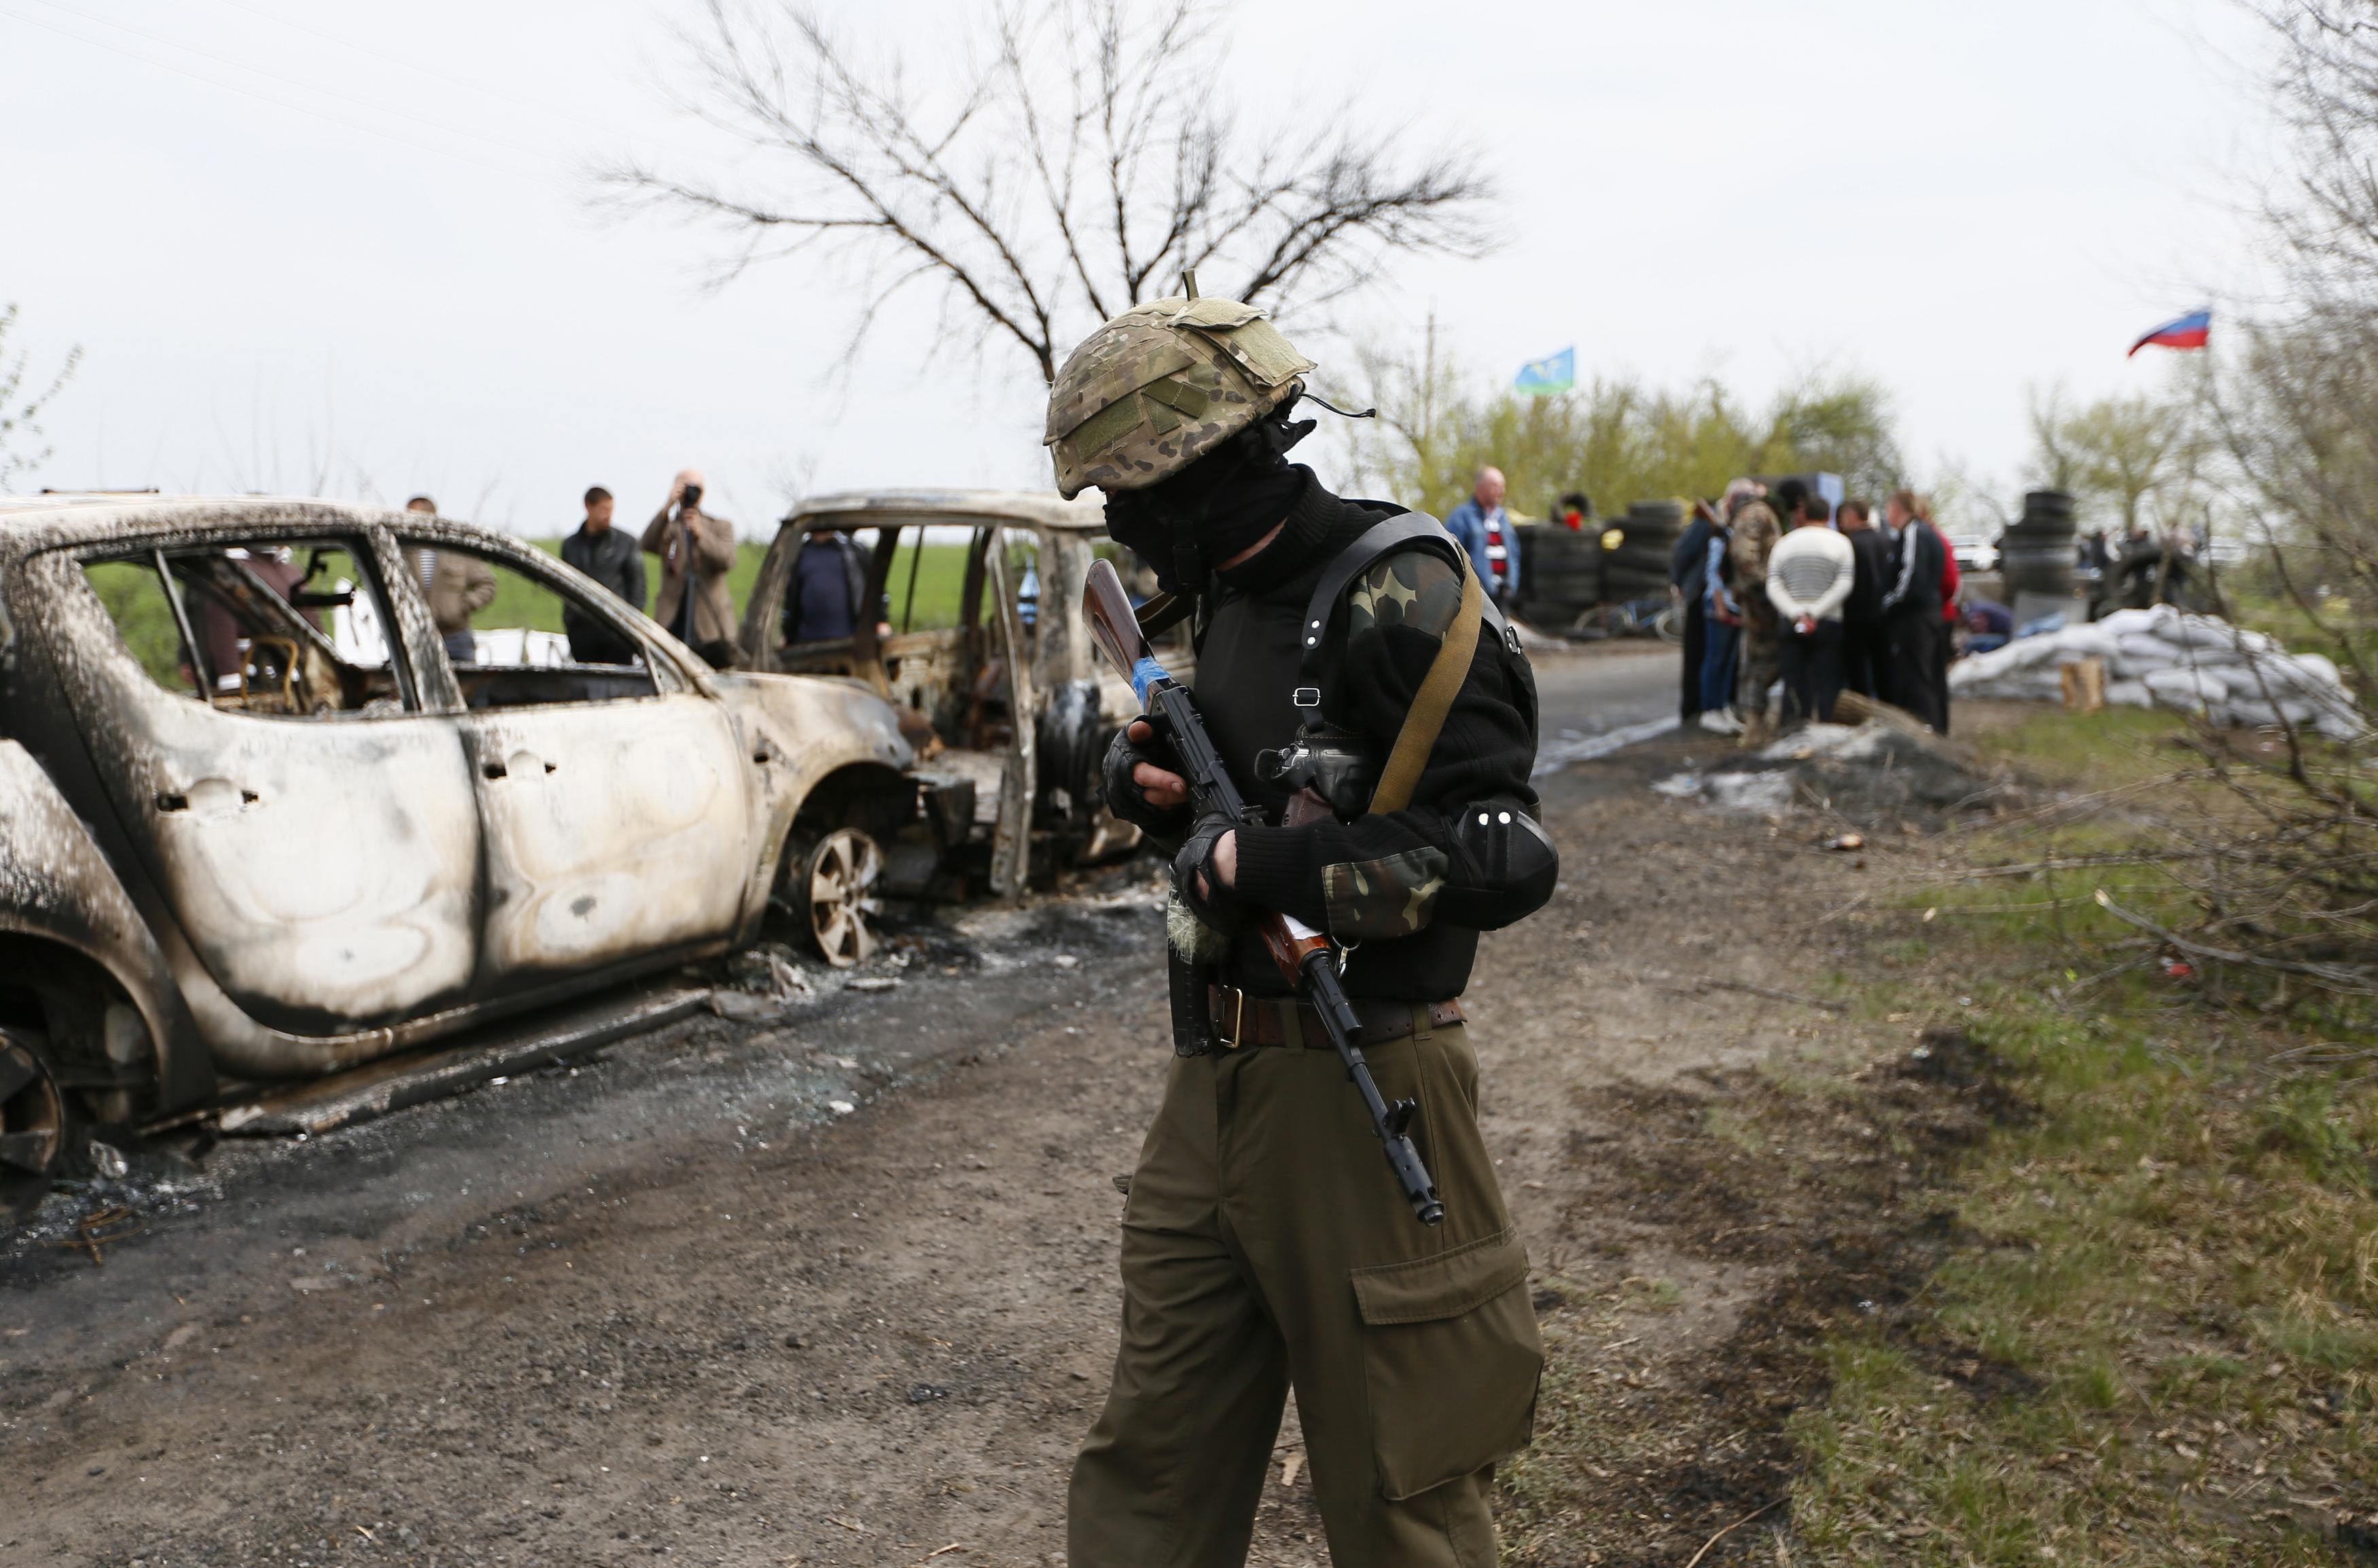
point(1266, 1245)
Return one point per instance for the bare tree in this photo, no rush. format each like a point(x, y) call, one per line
point(2270, 883)
point(20, 415)
point(1082, 160)
point(2298, 415)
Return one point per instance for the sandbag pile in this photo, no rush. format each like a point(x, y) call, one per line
point(2166, 658)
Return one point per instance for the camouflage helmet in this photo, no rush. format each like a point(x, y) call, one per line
point(1160, 386)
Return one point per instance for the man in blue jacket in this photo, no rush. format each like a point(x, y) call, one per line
point(1485, 530)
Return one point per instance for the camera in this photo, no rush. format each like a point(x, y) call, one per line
point(692, 496)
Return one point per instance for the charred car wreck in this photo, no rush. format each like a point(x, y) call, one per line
point(978, 642)
point(260, 822)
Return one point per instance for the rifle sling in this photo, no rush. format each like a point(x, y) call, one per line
point(1425, 719)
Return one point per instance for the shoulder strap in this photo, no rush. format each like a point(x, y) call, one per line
point(1425, 719)
point(1397, 532)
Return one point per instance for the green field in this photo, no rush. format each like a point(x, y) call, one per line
point(936, 575)
point(924, 589)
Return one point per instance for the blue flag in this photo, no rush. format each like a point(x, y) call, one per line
point(1554, 373)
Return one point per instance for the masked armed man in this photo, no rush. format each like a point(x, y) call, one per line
point(1266, 1243)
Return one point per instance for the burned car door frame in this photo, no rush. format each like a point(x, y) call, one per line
point(957, 684)
point(319, 861)
point(1044, 776)
point(602, 838)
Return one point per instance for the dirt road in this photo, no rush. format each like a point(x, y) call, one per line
point(677, 1304)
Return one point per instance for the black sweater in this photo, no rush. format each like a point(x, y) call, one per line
point(1402, 886)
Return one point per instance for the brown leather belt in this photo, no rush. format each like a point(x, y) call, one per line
point(1243, 1020)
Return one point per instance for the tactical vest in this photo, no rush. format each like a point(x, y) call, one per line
point(1257, 653)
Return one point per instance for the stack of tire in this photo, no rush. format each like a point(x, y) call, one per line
point(2036, 553)
point(1567, 571)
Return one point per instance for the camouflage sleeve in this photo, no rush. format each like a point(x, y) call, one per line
point(1413, 593)
point(1755, 533)
point(1391, 875)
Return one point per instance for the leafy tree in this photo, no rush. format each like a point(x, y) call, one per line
point(2128, 457)
point(1840, 424)
point(1617, 439)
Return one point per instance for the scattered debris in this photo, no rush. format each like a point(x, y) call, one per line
point(1686, 985)
point(393, 1084)
point(1887, 769)
point(742, 1007)
point(840, 1107)
point(873, 982)
point(769, 970)
point(1742, 793)
point(108, 1160)
point(1847, 840)
point(105, 1226)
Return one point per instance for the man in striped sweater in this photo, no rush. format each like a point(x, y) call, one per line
point(1809, 578)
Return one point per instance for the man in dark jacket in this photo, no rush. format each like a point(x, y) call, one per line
point(611, 558)
point(1266, 1246)
point(1864, 654)
point(1914, 635)
point(1685, 569)
point(828, 593)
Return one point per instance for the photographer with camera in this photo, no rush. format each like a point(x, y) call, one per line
point(697, 551)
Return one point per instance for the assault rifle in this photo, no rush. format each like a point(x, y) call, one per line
point(1303, 954)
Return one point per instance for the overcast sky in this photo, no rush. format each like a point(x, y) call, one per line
point(297, 241)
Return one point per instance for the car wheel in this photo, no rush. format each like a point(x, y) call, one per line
point(33, 1130)
point(840, 875)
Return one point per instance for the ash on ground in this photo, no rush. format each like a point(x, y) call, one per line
point(1872, 775)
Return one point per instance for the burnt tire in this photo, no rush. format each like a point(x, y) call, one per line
point(33, 1130)
point(833, 892)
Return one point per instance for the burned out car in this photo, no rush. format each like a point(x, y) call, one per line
point(261, 821)
point(971, 626)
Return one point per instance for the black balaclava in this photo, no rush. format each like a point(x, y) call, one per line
point(1187, 523)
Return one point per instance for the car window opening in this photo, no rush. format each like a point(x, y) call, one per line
point(279, 629)
point(515, 639)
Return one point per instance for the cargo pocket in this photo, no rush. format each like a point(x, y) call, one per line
point(1451, 1358)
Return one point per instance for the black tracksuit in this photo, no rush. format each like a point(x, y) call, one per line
point(1915, 637)
point(1864, 654)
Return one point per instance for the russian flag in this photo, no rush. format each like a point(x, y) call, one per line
point(2188, 332)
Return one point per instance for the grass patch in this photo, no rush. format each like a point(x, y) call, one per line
point(2176, 1255)
point(521, 602)
point(923, 588)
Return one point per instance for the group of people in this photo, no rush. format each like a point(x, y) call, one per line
point(1776, 588)
point(697, 550)
point(827, 598)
